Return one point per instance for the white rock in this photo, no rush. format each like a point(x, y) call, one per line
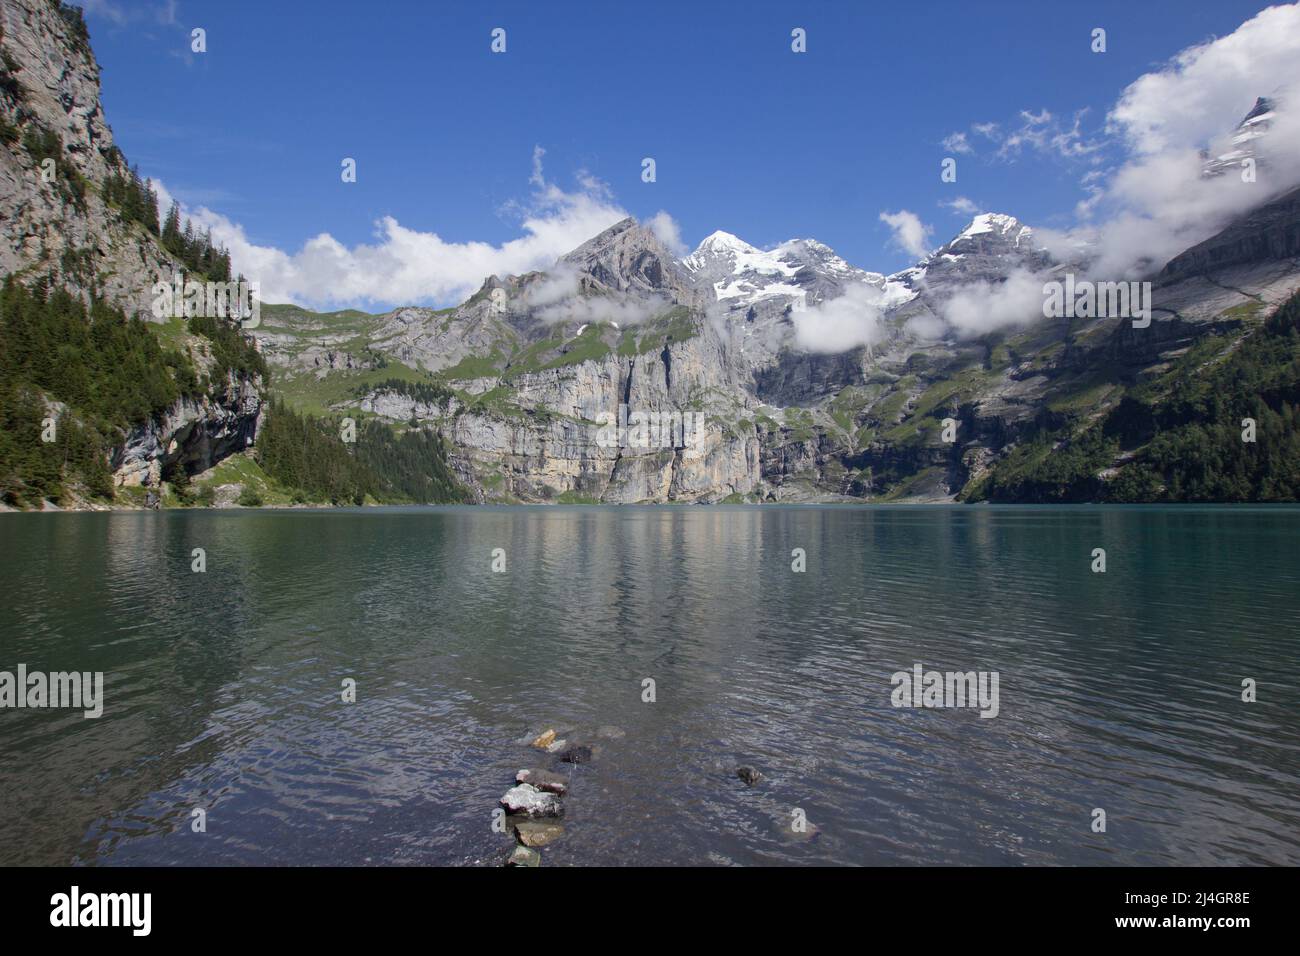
point(527, 800)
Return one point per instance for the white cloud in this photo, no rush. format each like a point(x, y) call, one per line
point(164, 13)
point(1072, 143)
point(957, 143)
point(1041, 132)
point(1047, 134)
point(961, 206)
point(842, 323)
point(556, 299)
point(623, 312)
point(926, 327)
point(1157, 203)
point(1031, 132)
point(104, 8)
point(407, 266)
point(667, 231)
point(909, 233)
point(983, 306)
point(561, 282)
point(1093, 183)
point(1205, 89)
point(537, 179)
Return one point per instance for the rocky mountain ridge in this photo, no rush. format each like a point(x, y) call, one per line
point(627, 326)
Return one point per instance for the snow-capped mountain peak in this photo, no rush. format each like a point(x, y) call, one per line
point(800, 269)
point(987, 250)
point(735, 269)
point(719, 242)
point(996, 225)
point(1255, 125)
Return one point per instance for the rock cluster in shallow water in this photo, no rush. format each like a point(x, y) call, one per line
point(534, 804)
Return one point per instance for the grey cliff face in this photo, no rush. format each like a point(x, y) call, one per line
point(627, 257)
point(195, 434)
point(1269, 233)
point(85, 244)
point(90, 248)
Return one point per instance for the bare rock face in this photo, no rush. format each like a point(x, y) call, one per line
point(60, 82)
point(84, 243)
point(548, 441)
point(435, 340)
point(523, 414)
point(986, 250)
point(1271, 232)
point(194, 434)
point(627, 257)
point(61, 228)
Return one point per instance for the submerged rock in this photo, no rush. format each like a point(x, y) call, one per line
point(809, 833)
point(579, 754)
point(533, 833)
point(610, 733)
point(545, 740)
point(749, 775)
point(544, 780)
point(557, 746)
point(524, 856)
point(526, 800)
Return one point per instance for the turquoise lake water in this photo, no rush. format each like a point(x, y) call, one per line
point(222, 690)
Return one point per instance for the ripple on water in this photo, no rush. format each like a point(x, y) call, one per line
point(223, 689)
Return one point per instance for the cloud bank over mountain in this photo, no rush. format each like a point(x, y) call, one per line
point(1143, 207)
point(406, 265)
point(1158, 202)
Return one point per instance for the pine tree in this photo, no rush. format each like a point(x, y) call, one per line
point(171, 232)
point(189, 247)
point(150, 207)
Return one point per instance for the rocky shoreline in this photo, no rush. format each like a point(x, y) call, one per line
point(49, 507)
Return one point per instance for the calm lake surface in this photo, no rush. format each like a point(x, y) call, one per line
point(1119, 691)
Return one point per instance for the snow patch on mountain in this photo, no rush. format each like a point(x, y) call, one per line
point(995, 224)
point(737, 270)
point(802, 270)
point(1255, 125)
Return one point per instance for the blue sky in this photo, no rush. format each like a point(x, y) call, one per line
point(747, 136)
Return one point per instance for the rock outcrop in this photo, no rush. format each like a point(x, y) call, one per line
point(195, 435)
point(52, 224)
point(1270, 233)
point(55, 225)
